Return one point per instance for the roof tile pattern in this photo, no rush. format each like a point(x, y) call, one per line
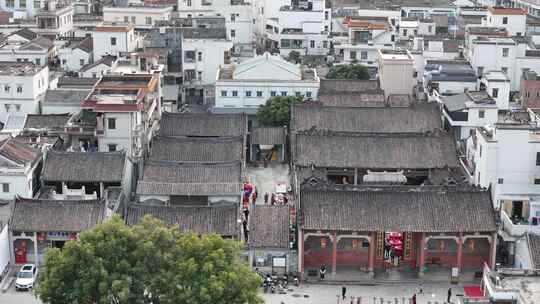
point(202, 124)
point(269, 227)
point(84, 166)
point(197, 149)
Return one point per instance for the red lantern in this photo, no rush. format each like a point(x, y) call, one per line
point(471, 245)
point(41, 237)
point(441, 245)
point(354, 243)
point(72, 236)
point(323, 242)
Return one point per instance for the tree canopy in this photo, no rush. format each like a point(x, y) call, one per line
point(277, 111)
point(146, 263)
point(352, 71)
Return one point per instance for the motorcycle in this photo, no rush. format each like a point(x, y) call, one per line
point(285, 280)
point(273, 287)
point(296, 281)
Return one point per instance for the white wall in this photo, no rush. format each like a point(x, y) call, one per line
point(97, 71)
point(70, 59)
point(522, 258)
point(516, 24)
point(5, 252)
point(496, 61)
point(18, 185)
point(136, 15)
point(37, 57)
point(503, 94)
point(45, 109)
point(121, 135)
point(455, 87)
point(125, 42)
point(213, 56)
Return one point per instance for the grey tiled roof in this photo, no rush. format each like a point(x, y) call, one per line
point(268, 136)
point(197, 149)
point(199, 219)
point(376, 151)
point(170, 178)
point(46, 121)
point(420, 117)
point(534, 249)
point(402, 208)
point(204, 33)
point(55, 215)
point(65, 96)
point(83, 166)
point(202, 124)
point(351, 86)
point(269, 227)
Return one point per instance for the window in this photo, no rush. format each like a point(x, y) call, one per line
point(19, 89)
point(494, 93)
point(94, 75)
point(233, 17)
point(259, 93)
point(81, 62)
point(283, 93)
point(223, 93)
point(353, 55)
point(527, 94)
point(199, 75)
point(308, 94)
point(6, 88)
point(415, 32)
point(188, 2)
point(38, 61)
point(37, 4)
point(199, 56)
point(538, 158)
point(326, 28)
point(537, 181)
point(10, 3)
point(113, 40)
point(297, 94)
point(325, 44)
point(18, 107)
point(363, 55)
point(233, 33)
point(500, 181)
point(133, 19)
point(404, 32)
point(481, 113)
point(149, 20)
point(392, 38)
point(312, 44)
point(248, 93)
point(5, 187)
point(235, 93)
point(326, 15)
point(430, 28)
point(273, 93)
point(504, 70)
point(64, 61)
point(505, 20)
point(505, 52)
point(22, 3)
point(111, 123)
point(112, 147)
point(126, 19)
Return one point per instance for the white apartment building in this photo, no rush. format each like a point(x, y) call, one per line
point(365, 36)
point(112, 39)
point(506, 156)
point(73, 55)
point(22, 8)
point(140, 16)
point(22, 86)
point(396, 72)
point(238, 14)
point(38, 51)
point(18, 174)
point(248, 85)
point(302, 26)
point(55, 19)
point(512, 19)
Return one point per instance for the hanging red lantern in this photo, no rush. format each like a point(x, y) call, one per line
point(471, 245)
point(354, 243)
point(41, 237)
point(323, 242)
point(441, 245)
point(72, 236)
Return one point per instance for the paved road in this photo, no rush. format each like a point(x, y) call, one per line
point(327, 294)
point(18, 297)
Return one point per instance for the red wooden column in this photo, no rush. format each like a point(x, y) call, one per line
point(371, 253)
point(460, 252)
point(334, 253)
point(422, 256)
point(493, 251)
point(300, 242)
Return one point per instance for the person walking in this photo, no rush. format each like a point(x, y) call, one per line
point(413, 299)
point(254, 196)
point(343, 292)
point(449, 295)
point(322, 272)
point(266, 198)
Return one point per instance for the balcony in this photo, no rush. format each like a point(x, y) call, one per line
point(517, 228)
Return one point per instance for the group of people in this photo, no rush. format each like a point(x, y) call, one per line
point(276, 199)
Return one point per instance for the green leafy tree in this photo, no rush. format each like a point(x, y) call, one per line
point(146, 263)
point(351, 71)
point(277, 111)
point(294, 56)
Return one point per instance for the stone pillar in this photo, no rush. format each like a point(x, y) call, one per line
point(460, 252)
point(493, 251)
point(334, 253)
point(371, 254)
point(300, 242)
point(34, 239)
point(422, 254)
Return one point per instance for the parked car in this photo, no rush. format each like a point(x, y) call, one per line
point(26, 277)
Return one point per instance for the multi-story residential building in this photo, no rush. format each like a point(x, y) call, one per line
point(19, 170)
point(365, 36)
point(127, 110)
point(449, 77)
point(111, 39)
point(55, 19)
point(248, 85)
point(512, 19)
point(22, 8)
point(302, 26)
point(502, 55)
point(76, 53)
point(238, 14)
point(140, 16)
point(396, 72)
point(22, 86)
point(530, 90)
